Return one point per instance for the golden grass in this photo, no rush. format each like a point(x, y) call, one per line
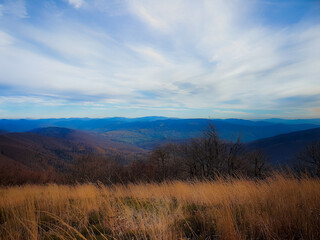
point(279, 207)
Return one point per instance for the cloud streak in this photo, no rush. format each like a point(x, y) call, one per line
point(76, 3)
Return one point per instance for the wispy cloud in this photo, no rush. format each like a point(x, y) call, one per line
point(194, 55)
point(76, 3)
point(16, 8)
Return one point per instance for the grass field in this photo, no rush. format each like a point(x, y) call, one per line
point(275, 208)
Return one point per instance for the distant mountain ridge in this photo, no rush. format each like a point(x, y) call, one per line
point(284, 148)
point(294, 121)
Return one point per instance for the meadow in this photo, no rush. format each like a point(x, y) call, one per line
point(278, 207)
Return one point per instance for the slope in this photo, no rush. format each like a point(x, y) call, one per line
point(283, 149)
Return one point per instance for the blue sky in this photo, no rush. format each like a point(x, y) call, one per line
point(179, 58)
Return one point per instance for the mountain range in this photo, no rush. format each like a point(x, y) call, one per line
point(38, 145)
point(149, 132)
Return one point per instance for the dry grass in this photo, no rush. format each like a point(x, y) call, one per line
point(276, 208)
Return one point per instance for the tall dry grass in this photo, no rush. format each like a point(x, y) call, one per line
point(280, 207)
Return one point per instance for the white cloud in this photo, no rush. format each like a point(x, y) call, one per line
point(76, 3)
point(32, 100)
point(150, 54)
point(5, 39)
point(255, 65)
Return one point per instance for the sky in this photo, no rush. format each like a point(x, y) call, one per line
point(246, 59)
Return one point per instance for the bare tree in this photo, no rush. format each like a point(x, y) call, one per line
point(310, 158)
point(160, 158)
point(93, 168)
point(206, 157)
point(167, 161)
point(257, 163)
point(209, 156)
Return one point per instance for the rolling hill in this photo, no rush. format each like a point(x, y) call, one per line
point(283, 149)
point(149, 132)
point(92, 140)
point(55, 149)
point(2, 131)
